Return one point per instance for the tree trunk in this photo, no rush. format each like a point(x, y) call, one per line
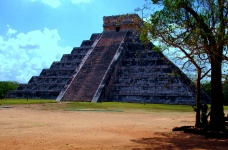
point(198, 123)
point(217, 112)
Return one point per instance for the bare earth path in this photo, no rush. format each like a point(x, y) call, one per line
point(31, 128)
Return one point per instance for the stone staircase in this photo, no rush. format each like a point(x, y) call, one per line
point(88, 79)
point(51, 81)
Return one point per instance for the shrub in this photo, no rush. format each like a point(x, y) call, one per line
point(6, 86)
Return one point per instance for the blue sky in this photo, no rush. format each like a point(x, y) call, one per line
point(34, 33)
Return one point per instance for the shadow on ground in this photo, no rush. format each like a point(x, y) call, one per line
point(180, 140)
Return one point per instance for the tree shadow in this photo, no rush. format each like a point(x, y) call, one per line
point(180, 140)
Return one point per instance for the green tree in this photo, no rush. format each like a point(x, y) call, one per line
point(200, 27)
point(6, 86)
point(206, 87)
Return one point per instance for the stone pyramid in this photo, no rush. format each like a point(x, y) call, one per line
point(112, 66)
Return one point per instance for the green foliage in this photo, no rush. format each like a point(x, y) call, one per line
point(206, 87)
point(198, 30)
point(6, 86)
point(157, 49)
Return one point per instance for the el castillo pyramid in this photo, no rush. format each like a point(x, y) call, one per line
point(112, 66)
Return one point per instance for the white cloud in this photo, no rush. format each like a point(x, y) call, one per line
point(81, 1)
point(24, 55)
point(51, 3)
point(57, 3)
point(10, 31)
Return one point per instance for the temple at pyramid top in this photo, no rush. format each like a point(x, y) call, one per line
point(122, 22)
point(112, 66)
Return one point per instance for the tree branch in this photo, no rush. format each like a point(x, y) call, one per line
point(205, 74)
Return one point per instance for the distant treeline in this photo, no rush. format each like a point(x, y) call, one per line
point(206, 87)
point(6, 86)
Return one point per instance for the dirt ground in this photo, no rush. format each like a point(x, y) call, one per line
point(30, 127)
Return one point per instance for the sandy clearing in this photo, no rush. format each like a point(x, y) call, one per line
point(26, 128)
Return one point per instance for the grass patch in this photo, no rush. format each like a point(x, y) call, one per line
point(104, 106)
point(25, 101)
point(130, 106)
point(127, 106)
point(225, 107)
